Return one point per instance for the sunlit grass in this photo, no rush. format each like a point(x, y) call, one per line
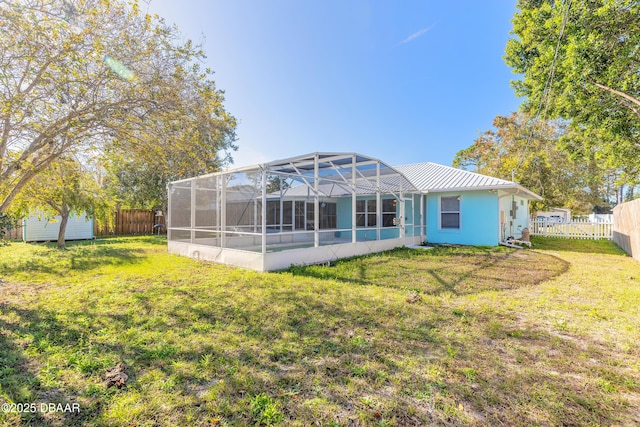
point(457, 336)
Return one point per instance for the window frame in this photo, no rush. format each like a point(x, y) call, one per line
point(442, 212)
point(389, 214)
point(364, 213)
point(370, 213)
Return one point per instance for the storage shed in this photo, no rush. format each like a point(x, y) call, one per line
point(38, 228)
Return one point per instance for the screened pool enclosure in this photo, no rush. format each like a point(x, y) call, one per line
point(303, 210)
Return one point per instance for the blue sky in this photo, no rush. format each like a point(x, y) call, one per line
point(402, 81)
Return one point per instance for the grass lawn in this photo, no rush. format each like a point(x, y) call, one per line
point(447, 336)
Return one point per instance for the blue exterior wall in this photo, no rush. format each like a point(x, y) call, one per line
point(479, 219)
point(343, 212)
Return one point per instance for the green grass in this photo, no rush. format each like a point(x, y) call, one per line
point(447, 336)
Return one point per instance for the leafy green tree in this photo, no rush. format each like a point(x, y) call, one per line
point(87, 76)
point(579, 61)
point(63, 188)
point(531, 153)
point(6, 223)
point(138, 180)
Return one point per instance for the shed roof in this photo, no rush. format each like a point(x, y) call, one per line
point(433, 177)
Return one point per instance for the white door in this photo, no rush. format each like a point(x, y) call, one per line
point(408, 222)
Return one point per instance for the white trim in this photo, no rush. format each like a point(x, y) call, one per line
point(516, 187)
point(263, 220)
point(316, 203)
point(459, 196)
point(423, 219)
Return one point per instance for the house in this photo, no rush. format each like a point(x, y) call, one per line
point(468, 208)
point(324, 206)
point(39, 228)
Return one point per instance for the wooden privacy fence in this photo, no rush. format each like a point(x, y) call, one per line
point(15, 233)
point(626, 233)
point(572, 229)
point(130, 221)
point(127, 221)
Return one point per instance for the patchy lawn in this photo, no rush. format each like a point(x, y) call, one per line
point(447, 336)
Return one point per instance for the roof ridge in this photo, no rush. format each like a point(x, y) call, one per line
point(456, 170)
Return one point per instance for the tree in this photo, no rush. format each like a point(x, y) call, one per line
point(94, 75)
point(7, 222)
point(531, 153)
point(61, 189)
point(140, 179)
point(579, 61)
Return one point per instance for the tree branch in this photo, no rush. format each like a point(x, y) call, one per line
point(631, 107)
point(615, 92)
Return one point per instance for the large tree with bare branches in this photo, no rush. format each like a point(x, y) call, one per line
point(85, 76)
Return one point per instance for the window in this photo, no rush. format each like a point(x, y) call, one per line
point(273, 215)
point(299, 215)
point(366, 213)
point(328, 215)
point(450, 212)
point(287, 208)
point(310, 216)
point(388, 212)
point(361, 213)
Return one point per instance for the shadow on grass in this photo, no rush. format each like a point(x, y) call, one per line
point(17, 383)
point(146, 239)
point(88, 258)
point(416, 364)
point(61, 351)
point(21, 378)
point(504, 370)
point(80, 257)
point(460, 271)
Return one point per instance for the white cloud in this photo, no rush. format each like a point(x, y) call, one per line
point(416, 35)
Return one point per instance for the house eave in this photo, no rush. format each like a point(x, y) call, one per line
point(515, 189)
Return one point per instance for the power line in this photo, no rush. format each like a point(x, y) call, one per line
point(546, 92)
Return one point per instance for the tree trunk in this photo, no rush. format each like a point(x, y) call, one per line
point(64, 213)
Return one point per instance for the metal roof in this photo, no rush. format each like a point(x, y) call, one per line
point(335, 171)
point(432, 177)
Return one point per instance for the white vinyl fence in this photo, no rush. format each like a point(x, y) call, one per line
point(580, 229)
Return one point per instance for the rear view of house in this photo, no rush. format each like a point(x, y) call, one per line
point(468, 208)
point(323, 206)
